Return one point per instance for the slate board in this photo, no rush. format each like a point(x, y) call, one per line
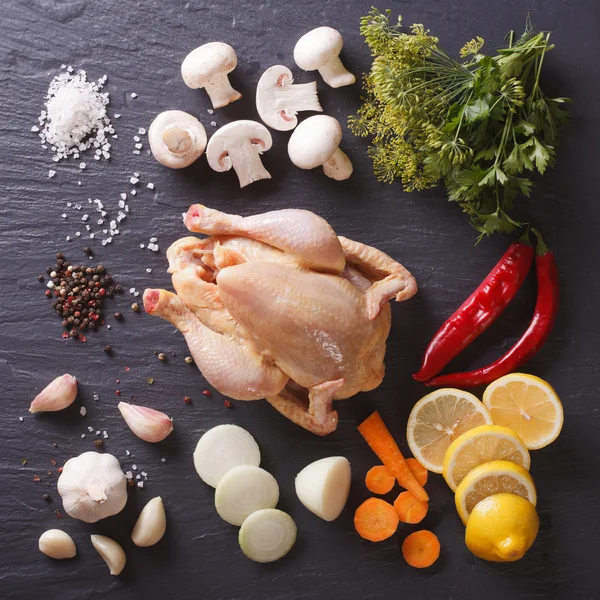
point(140, 46)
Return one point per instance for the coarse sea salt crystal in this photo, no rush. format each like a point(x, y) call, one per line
point(123, 196)
point(148, 270)
point(82, 165)
point(138, 146)
point(83, 411)
point(140, 484)
point(163, 460)
point(51, 173)
point(133, 180)
point(136, 138)
point(133, 467)
point(127, 453)
point(21, 419)
point(129, 475)
point(154, 239)
point(150, 186)
point(134, 95)
point(142, 131)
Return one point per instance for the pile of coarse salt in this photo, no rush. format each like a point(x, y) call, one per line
point(75, 118)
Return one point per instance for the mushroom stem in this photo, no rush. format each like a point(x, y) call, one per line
point(220, 92)
point(335, 74)
point(298, 97)
point(176, 139)
point(245, 160)
point(338, 166)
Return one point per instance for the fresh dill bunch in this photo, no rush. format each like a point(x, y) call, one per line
point(476, 125)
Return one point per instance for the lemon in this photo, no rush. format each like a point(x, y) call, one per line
point(502, 528)
point(437, 419)
point(480, 445)
point(528, 405)
point(492, 478)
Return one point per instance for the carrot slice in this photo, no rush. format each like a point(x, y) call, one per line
point(418, 470)
point(379, 480)
point(377, 435)
point(409, 509)
point(421, 549)
point(376, 520)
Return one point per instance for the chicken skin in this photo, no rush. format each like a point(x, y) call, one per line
point(277, 306)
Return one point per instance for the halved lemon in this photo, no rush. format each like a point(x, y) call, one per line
point(481, 445)
point(437, 419)
point(496, 477)
point(528, 405)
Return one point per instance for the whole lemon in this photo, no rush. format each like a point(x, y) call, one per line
point(501, 528)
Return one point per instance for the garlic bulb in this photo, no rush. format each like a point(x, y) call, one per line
point(57, 395)
point(92, 487)
point(57, 544)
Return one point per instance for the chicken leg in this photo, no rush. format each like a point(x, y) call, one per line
point(317, 414)
point(298, 232)
point(228, 365)
point(390, 278)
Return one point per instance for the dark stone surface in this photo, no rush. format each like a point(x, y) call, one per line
point(140, 46)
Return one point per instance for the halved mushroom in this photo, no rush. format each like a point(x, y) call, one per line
point(239, 145)
point(176, 139)
point(207, 67)
point(319, 49)
point(278, 101)
point(315, 142)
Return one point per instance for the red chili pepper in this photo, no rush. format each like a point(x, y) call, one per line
point(479, 310)
point(544, 316)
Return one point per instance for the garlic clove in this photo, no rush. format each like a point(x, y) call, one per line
point(57, 395)
point(148, 424)
point(151, 524)
point(111, 552)
point(57, 544)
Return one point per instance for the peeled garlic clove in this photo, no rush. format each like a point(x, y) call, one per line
point(55, 396)
point(111, 552)
point(151, 524)
point(148, 424)
point(55, 543)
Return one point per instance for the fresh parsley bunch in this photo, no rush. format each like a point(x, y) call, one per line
point(478, 125)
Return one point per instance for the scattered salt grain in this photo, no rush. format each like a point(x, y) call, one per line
point(142, 131)
point(154, 239)
point(138, 146)
point(150, 186)
point(21, 419)
point(133, 467)
point(210, 111)
point(51, 173)
point(83, 411)
point(136, 138)
point(133, 192)
point(124, 196)
point(148, 270)
point(127, 453)
point(64, 215)
point(35, 128)
point(91, 429)
point(82, 165)
point(98, 432)
point(140, 484)
point(82, 435)
point(163, 460)
point(144, 474)
point(142, 245)
point(129, 475)
point(121, 204)
point(133, 180)
point(213, 123)
point(117, 116)
point(138, 476)
point(134, 95)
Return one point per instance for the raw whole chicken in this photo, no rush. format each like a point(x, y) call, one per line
point(277, 306)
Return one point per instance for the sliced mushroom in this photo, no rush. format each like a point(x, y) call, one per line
point(278, 101)
point(239, 145)
point(315, 142)
point(176, 139)
point(207, 67)
point(319, 49)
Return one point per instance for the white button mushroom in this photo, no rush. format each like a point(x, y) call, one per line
point(315, 142)
point(239, 145)
point(278, 101)
point(319, 49)
point(176, 139)
point(207, 67)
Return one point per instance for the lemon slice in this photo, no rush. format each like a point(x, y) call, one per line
point(496, 477)
point(528, 405)
point(480, 445)
point(437, 419)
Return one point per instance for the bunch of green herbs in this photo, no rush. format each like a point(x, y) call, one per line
point(478, 125)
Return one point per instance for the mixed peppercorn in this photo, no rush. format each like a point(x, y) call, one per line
point(79, 293)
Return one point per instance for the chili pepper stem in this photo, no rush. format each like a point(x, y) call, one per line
point(541, 247)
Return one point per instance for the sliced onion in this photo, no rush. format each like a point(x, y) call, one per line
point(222, 448)
point(244, 490)
point(267, 535)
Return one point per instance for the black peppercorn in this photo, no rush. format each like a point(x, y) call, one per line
point(92, 325)
point(118, 289)
point(60, 255)
point(118, 316)
point(40, 278)
point(87, 251)
point(47, 498)
point(107, 349)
